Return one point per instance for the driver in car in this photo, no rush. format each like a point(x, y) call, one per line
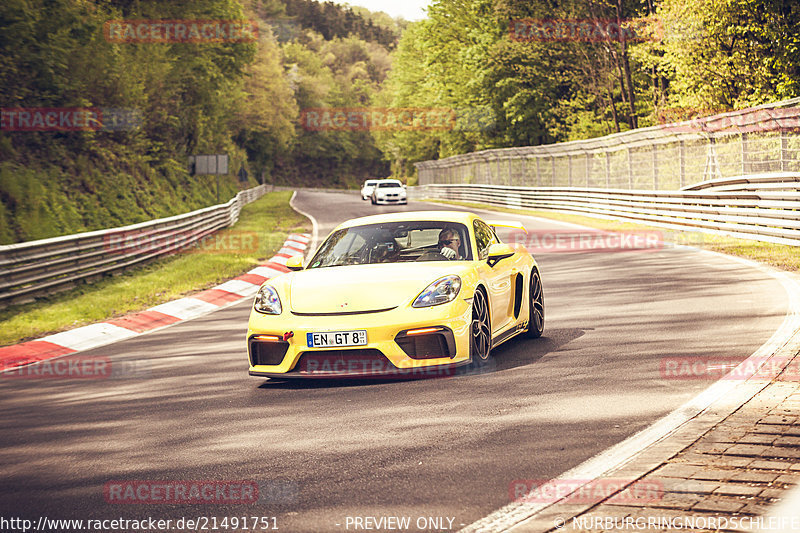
point(450, 244)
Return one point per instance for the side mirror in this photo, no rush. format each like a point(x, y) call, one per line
point(295, 263)
point(499, 251)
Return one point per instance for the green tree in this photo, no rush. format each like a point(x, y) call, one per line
point(726, 54)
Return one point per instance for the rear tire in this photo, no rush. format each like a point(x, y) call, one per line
point(480, 339)
point(536, 306)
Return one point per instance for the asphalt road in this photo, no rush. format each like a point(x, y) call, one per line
point(326, 451)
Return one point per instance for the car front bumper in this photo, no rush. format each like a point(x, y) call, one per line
point(381, 356)
point(391, 200)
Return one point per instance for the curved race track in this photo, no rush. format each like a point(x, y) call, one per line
point(418, 448)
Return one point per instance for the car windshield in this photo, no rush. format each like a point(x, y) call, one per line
point(389, 184)
point(370, 183)
point(392, 242)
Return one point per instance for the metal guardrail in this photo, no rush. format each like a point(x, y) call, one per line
point(755, 215)
point(30, 269)
point(789, 181)
point(666, 157)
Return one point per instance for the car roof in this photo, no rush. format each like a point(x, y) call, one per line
point(463, 217)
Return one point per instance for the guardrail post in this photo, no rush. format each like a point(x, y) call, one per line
point(655, 167)
point(682, 163)
point(712, 165)
point(608, 170)
point(588, 169)
point(784, 151)
point(538, 172)
point(553, 161)
point(743, 140)
point(569, 170)
point(524, 180)
point(630, 169)
point(510, 173)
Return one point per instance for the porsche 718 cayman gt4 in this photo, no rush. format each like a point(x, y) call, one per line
point(396, 294)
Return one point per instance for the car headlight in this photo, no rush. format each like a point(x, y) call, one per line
point(441, 291)
point(267, 301)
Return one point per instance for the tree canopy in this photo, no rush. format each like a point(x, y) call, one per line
point(505, 72)
point(678, 59)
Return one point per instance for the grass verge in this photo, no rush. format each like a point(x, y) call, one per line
point(780, 256)
point(261, 230)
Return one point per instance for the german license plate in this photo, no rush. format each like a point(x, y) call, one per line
point(337, 338)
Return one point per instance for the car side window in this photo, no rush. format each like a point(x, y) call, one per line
point(484, 236)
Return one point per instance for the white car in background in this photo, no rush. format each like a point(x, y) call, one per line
point(389, 192)
point(367, 188)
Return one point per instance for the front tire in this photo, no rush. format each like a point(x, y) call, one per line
point(480, 342)
point(536, 306)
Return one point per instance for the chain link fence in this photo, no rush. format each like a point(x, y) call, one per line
point(666, 157)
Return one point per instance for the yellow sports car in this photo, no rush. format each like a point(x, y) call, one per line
point(400, 294)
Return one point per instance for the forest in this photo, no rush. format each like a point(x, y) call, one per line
point(489, 64)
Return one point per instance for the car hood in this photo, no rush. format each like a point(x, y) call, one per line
point(363, 288)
